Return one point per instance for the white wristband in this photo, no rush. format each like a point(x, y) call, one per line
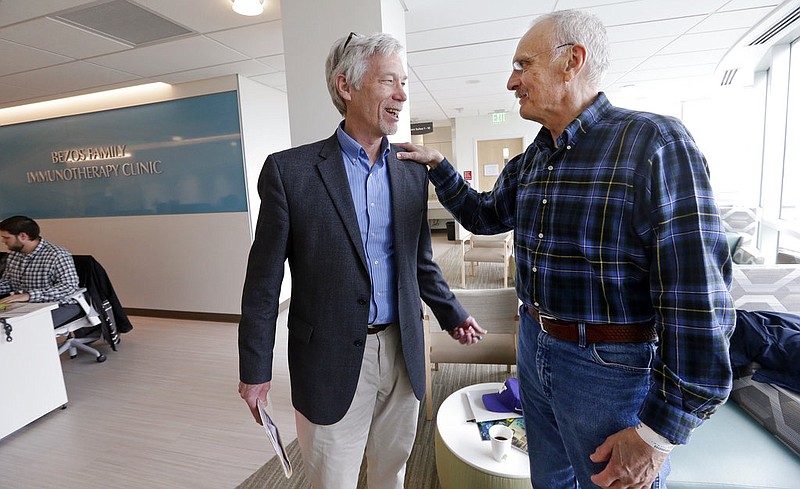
point(654, 439)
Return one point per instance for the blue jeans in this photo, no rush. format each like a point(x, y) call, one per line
point(573, 398)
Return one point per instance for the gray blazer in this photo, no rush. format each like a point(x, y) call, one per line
point(307, 216)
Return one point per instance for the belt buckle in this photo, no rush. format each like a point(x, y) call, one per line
point(543, 318)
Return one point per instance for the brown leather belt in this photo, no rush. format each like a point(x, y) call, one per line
point(377, 328)
point(596, 333)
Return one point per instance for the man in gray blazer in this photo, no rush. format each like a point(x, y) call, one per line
point(352, 221)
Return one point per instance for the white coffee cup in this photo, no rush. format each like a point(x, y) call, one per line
point(501, 441)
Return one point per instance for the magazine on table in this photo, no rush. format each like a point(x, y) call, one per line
point(519, 440)
point(275, 439)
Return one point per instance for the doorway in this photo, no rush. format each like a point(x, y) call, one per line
point(493, 154)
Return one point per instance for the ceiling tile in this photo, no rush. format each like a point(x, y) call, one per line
point(732, 20)
point(10, 93)
point(206, 16)
point(254, 41)
point(274, 80)
point(173, 57)
point(680, 60)
point(424, 15)
point(652, 29)
point(15, 11)
point(68, 77)
point(248, 68)
point(60, 39)
point(17, 58)
point(689, 43)
point(278, 61)
point(461, 53)
point(496, 64)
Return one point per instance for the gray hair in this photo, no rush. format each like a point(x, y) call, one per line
point(351, 60)
point(578, 27)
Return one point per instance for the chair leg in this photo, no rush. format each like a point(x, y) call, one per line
point(508, 369)
point(75, 344)
point(428, 394)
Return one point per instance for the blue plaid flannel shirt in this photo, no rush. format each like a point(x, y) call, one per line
point(618, 224)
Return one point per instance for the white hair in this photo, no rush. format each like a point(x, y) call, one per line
point(578, 27)
point(350, 55)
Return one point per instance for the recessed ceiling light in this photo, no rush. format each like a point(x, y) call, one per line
point(248, 7)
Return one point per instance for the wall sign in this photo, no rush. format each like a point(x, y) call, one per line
point(177, 157)
point(421, 128)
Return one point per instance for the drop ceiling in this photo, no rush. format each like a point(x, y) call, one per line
point(459, 51)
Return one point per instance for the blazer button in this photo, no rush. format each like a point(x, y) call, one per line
point(362, 301)
point(358, 343)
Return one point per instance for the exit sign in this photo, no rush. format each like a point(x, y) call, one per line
point(498, 117)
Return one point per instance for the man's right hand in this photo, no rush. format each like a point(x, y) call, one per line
point(420, 154)
point(251, 393)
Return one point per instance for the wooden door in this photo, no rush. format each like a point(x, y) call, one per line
point(493, 155)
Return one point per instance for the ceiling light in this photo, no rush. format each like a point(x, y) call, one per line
point(248, 7)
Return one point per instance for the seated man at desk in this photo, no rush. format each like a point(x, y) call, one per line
point(37, 270)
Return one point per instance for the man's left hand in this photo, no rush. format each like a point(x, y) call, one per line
point(632, 463)
point(23, 297)
point(468, 332)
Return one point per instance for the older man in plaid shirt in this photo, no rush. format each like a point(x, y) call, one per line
point(37, 270)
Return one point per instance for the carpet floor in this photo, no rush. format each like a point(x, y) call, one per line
point(486, 276)
point(421, 469)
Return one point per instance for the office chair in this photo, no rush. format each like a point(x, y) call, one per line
point(103, 316)
point(90, 319)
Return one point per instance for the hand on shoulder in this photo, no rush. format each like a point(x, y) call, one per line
point(419, 154)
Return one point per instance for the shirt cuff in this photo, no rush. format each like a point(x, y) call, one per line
point(671, 422)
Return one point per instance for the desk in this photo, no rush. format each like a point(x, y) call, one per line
point(31, 380)
point(463, 460)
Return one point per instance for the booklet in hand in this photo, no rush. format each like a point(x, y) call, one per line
point(274, 439)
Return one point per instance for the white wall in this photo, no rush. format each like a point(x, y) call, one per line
point(185, 262)
point(264, 114)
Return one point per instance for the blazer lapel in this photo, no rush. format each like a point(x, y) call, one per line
point(399, 182)
point(334, 177)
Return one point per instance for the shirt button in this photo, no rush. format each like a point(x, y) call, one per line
point(536, 304)
point(533, 269)
point(375, 262)
point(372, 204)
point(550, 167)
point(541, 235)
point(569, 146)
point(544, 201)
point(358, 343)
point(362, 301)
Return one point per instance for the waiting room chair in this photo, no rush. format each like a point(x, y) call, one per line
point(89, 320)
point(496, 248)
point(497, 311)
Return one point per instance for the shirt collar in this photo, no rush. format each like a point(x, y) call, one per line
point(36, 250)
point(354, 151)
point(581, 125)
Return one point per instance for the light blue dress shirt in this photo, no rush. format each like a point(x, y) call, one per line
point(372, 198)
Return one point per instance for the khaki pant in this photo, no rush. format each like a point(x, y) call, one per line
point(381, 420)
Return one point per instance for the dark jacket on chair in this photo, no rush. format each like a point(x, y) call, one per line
point(94, 278)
